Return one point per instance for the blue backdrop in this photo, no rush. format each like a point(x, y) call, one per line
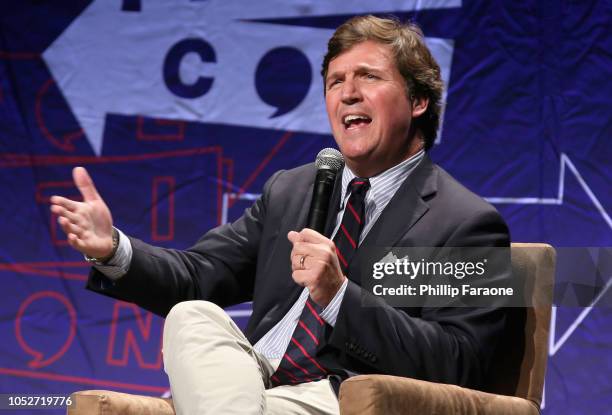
point(181, 109)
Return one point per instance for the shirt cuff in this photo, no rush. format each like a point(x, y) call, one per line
point(330, 313)
point(119, 264)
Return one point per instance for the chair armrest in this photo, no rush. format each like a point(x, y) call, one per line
point(96, 402)
point(382, 394)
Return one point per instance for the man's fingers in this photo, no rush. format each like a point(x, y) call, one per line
point(85, 185)
point(75, 242)
point(73, 218)
point(304, 278)
point(301, 278)
point(294, 237)
point(69, 227)
point(320, 251)
point(309, 235)
point(298, 264)
point(63, 212)
point(67, 204)
point(312, 264)
point(78, 241)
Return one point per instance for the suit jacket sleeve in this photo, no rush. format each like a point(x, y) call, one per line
point(449, 345)
point(220, 267)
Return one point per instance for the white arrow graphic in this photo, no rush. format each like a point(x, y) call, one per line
point(109, 61)
point(566, 162)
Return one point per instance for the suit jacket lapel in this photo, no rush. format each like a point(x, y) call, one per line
point(292, 290)
point(404, 210)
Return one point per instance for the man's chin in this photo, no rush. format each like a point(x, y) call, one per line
point(354, 148)
point(359, 162)
point(354, 155)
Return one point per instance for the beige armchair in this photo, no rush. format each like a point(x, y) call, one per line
point(514, 384)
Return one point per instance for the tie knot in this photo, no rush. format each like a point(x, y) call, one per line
point(359, 186)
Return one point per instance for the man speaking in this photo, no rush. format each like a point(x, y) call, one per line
point(308, 330)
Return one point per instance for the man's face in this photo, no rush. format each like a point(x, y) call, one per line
point(368, 109)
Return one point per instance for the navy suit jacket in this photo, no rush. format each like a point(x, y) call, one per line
point(249, 259)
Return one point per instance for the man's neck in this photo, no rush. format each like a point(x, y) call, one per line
point(367, 170)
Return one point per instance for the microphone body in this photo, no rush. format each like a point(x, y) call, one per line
point(329, 162)
point(321, 194)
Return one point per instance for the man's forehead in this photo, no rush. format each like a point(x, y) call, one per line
point(354, 67)
point(375, 55)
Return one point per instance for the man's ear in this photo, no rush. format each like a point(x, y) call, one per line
point(419, 106)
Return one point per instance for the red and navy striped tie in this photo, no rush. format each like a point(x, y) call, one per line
point(347, 236)
point(299, 363)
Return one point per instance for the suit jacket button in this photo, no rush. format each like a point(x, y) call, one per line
point(373, 359)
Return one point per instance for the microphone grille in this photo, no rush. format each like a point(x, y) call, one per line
point(329, 158)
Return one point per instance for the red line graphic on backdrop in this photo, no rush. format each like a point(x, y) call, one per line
point(83, 380)
point(261, 166)
point(229, 178)
point(169, 183)
point(5, 55)
point(38, 360)
point(34, 268)
point(42, 187)
point(64, 143)
point(27, 160)
point(144, 136)
point(144, 328)
point(44, 190)
point(19, 56)
point(144, 325)
point(31, 268)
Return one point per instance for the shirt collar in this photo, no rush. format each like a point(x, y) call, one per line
point(384, 185)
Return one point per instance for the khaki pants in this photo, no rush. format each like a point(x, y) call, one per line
point(213, 369)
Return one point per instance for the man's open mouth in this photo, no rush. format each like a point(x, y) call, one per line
point(351, 121)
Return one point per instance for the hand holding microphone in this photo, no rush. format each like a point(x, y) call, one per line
point(313, 258)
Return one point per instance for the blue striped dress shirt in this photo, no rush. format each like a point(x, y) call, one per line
point(382, 188)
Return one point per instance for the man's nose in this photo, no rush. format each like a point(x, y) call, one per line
point(351, 92)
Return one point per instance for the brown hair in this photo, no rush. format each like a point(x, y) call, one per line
point(412, 57)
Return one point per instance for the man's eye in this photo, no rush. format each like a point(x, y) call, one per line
point(332, 83)
point(370, 76)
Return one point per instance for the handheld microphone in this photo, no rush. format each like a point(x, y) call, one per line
point(329, 162)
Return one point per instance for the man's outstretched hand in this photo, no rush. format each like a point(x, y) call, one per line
point(88, 224)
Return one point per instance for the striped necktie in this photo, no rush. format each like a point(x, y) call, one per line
point(347, 237)
point(299, 363)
